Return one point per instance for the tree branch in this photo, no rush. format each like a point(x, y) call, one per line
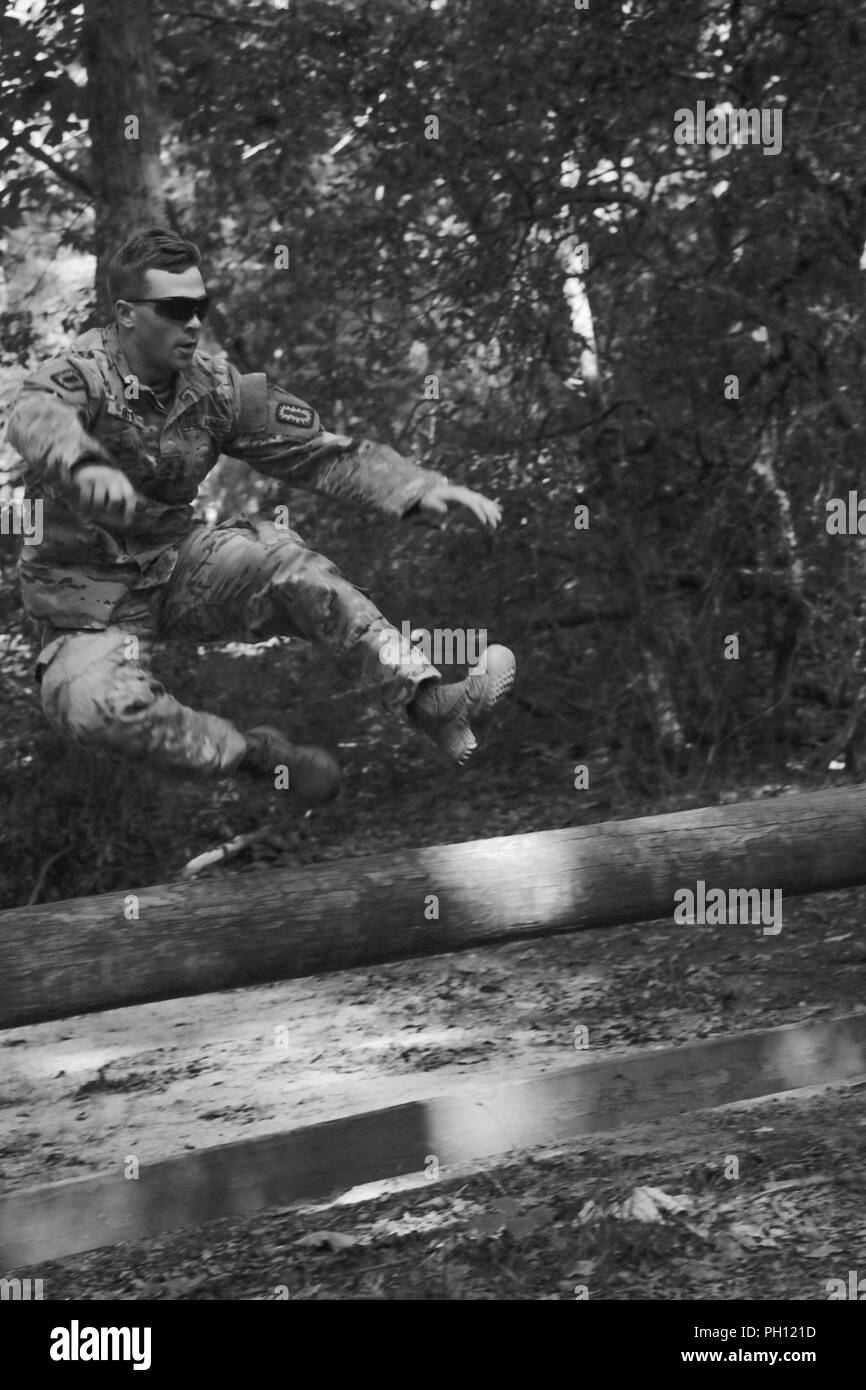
point(68, 176)
point(264, 24)
point(43, 873)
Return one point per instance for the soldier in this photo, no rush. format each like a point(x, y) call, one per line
point(116, 435)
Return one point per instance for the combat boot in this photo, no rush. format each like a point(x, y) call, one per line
point(445, 713)
point(314, 775)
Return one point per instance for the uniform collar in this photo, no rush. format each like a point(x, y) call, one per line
point(189, 386)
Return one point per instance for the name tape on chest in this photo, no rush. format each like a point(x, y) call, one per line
point(290, 414)
point(123, 412)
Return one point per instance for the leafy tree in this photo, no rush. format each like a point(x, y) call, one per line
point(469, 230)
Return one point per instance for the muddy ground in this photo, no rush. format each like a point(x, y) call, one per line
point(80, 1095)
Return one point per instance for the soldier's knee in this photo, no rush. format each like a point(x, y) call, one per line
point(70, 704)
point(92, 692)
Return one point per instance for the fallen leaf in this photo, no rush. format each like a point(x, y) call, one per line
point(327, 1240)
point(751, 1237)
point(651, 1204)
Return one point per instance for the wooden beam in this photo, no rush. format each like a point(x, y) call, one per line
point(180, 939)
point(234, 1180)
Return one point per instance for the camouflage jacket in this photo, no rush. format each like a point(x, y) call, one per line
point(87, 404)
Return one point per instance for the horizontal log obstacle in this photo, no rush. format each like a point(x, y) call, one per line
point(235, 1180)
point(190, 938)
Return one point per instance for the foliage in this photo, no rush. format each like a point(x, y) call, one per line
point(411, 259)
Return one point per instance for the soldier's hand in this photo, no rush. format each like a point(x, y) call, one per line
point(488, 512)
point(105, 492)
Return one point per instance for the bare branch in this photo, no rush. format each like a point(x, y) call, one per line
point(67, 176)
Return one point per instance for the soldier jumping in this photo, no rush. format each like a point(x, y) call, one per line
point(116, 436)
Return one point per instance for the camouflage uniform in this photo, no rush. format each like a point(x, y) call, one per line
point(99, 594)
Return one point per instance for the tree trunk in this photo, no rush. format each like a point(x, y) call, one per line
point(123, 113)
point(781, 559)
point(182, 939)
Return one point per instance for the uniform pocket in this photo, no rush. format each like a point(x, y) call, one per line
point(124, 443)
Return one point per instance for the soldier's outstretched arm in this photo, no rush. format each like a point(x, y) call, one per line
point(49, 428)
point(282, 436)
point(49, 420)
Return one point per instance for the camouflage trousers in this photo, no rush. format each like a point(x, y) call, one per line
point(245, 580)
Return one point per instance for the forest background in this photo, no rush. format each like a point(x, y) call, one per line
point(502, 263)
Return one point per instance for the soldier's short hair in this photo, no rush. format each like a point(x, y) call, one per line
point(155, 249)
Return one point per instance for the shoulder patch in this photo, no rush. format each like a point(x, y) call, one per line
point(69, 380)
point(290, 414)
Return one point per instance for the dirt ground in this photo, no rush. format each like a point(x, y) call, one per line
point(79, 1095)
point(649, 1214)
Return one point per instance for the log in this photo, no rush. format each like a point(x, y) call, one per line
point(179, 939)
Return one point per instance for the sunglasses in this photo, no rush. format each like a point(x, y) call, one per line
point(177, 309)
